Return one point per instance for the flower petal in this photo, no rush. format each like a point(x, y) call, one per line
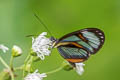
point(35, 76)
point(4, 48)
point(79, 68)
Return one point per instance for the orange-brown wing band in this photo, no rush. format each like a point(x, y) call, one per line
point(69, 43)
point(75, 60)
point(81, 37)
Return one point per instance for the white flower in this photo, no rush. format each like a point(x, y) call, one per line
point(41, 45)
point(79, 68)
point(35, 76)
point(4, 48)
point(16, 51)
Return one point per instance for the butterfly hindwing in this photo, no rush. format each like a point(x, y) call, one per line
point(72, 54)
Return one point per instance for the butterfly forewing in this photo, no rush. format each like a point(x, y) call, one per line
point(78, 45)
point(94, 37)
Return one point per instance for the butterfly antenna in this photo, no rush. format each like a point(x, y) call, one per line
point(31, 35)
point(42, 23)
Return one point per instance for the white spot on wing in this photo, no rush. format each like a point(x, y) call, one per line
point(100, 33)
point(102, 40)
point(102, 37)
point(97, 31)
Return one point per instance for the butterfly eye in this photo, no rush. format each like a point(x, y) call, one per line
point(53, 39)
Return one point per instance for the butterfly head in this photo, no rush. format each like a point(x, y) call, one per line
point(54, 40)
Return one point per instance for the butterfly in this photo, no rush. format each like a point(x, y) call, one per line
point(78, 46)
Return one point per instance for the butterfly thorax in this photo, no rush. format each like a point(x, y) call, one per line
point(54, 41)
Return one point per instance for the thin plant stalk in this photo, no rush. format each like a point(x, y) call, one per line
point(6, 65)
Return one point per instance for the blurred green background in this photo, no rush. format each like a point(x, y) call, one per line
point(61, 17)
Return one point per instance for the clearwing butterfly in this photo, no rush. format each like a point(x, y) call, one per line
point(77, 46)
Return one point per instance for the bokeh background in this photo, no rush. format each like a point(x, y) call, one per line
point(61, 17)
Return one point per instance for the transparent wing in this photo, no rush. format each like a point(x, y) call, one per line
point(91, 38)
point(73, 53)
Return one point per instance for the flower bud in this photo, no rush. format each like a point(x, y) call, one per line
point(33, 53)
point(16, 51)
point(28, 68)
point(35, 59)
point(68, 67)
point(5, 75)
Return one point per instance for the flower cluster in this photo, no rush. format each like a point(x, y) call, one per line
point(35, 76)
point(41, 45)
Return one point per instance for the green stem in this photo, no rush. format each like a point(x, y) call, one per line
point(18, 68)
point(11, 62)
point(56, 70)
point(6, 65)
point(25, 62)
point(27, 58)
point(29, 62)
